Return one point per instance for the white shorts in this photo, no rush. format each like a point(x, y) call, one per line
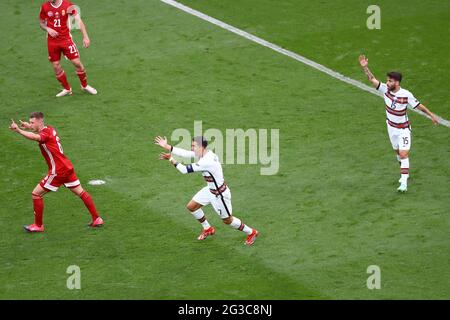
point(220, 203)
point(400, 138)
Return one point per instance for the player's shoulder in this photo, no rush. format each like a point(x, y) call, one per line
point(67, 3)
point(212, 157)
point(404, 91)
point(45, 6)
point(49, 130)
point(209, 157)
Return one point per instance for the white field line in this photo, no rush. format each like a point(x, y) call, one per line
point(288, 53)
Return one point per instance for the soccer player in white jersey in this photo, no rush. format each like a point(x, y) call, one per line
point(396, 101)
point(216, 193)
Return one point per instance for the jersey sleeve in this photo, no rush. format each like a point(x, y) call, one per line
point(71, 9)
point(412, 101)
point(42, 14)
point(199, 166)
point(45, 135)
point(382, 87)
point(182, 153)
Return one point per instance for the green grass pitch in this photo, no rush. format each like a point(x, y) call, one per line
point(330, 212)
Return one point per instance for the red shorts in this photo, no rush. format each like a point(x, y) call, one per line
point(67, 47)
point(52, 182)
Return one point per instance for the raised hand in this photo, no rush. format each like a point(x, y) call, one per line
point(13, 126)
point(162, 142)
point(363, 61)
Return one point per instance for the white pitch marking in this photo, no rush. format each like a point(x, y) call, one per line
point(96, 182)
point(288, 53)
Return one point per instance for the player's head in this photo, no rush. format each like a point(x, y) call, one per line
point(36, 120)
point(393, 80)
point(199, 145)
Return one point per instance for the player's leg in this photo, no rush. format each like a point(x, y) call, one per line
point(403, 152)
point(78, 190)
point(222, 205)
point(38, 206)
point(397, 154)
point(195, 208)
point(54, 56)
point(81, 73)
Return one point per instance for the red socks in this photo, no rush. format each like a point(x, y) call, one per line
point(61, 77)
point(38, 205)
point(83, 78)
point(89, 203)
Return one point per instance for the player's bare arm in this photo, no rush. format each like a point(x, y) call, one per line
point(52, 33)
point(364, 62)
point(29, 135)
point(86, 40)
point(433, 117)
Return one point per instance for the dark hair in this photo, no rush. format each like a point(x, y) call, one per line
point(395, 75)
point(200, 141)
point(37, 115)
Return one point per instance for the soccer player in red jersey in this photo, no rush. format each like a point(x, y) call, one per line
point(60, 169)
point(54, 17)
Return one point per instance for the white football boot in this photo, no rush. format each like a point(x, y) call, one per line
point(64, 92)
point(403, 186)
point(89, 89)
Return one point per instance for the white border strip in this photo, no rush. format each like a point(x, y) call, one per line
point(285, 52)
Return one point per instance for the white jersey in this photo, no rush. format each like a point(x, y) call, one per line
point(209, 165)
point(397, 105)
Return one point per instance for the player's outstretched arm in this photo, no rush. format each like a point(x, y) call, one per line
point(193, 167)
point(26, 134)
point(24, 125)
point(433, 117)
point(179, 166)
point(364, 62)
point(162, 142)
point(86, 40)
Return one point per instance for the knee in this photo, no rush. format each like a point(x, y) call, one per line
point(228, 220)
point(79, 66)
point(35, 195)
point(403, 155)
point(190, 207)
point(57, 68)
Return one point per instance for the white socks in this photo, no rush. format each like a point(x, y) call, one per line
point(237, 224)
point(404, 169)
point(200, 216)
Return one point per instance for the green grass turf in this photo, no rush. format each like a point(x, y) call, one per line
point(329, 213)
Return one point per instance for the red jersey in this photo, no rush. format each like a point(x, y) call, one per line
point(57, 18)
point(53, 153)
